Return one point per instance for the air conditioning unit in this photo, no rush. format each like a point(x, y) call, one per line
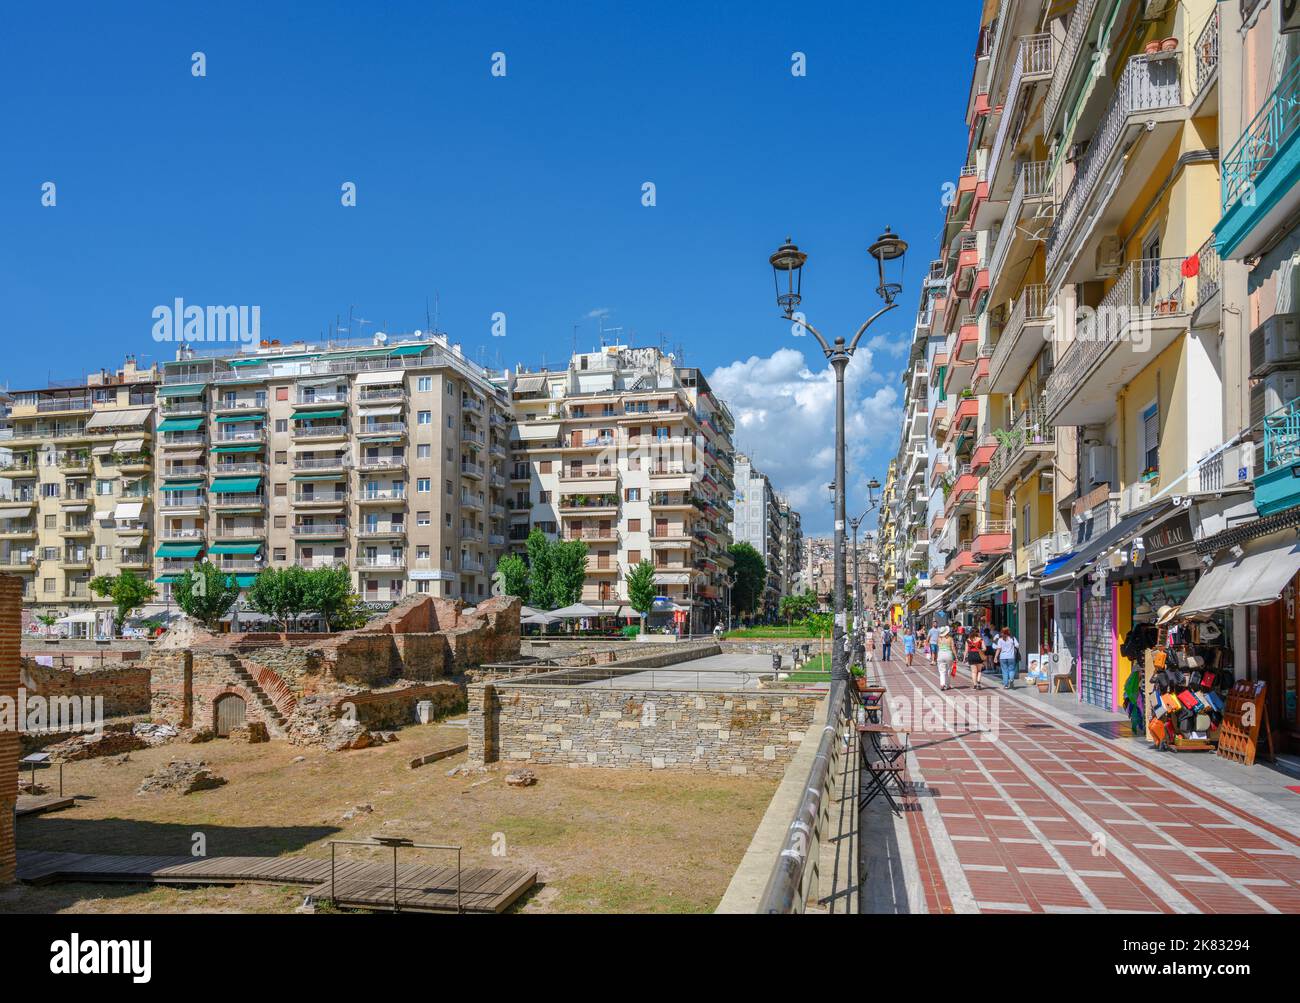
point(1274, 392)
point(1275, 344)
point(1097, 465)
point(1136, 496)
point(1110, 255)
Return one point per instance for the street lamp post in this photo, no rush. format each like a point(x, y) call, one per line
point(789, 261)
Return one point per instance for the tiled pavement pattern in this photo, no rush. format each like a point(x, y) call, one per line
point(1051, 818)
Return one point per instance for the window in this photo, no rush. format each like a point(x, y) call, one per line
point(1151, 440)
point(281, 490)
point(447, 519)
point(633, 494)
point(634, 557)
point(281, 425)
point(281, 456)
point(422, 518)
point(422, 485)
point(424, 384)
point(279, 521)
point(423, 451)
point(282, 393)
point(451, 388)
point(544, 467)
point(424, 418)
point(103, 487)
point(634, 525)
point(450, 492)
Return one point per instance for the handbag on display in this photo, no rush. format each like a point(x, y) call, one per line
point(1187, 700)
point(1207, 680)
point(1159, 660)
point(1160, 680)
point(1156, 729)
point(1171, 702)
point(1216, 702)
point(1202, 722)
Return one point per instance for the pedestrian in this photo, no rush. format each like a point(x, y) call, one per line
point(934, 640)
point(945, 656)
point(975, 657)
point(1008, 652)
point(909, 645)
point(886, 642)
point(870, 643)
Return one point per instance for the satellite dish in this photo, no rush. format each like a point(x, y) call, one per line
point(381, 338)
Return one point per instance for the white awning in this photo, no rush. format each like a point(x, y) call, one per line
point(88, 617)
point(128, 510)
point(76, 508)
point(102, 450)
point(539, 433)
point(530, 384)
point(194, 454)
point(1257, 578)
point(375, 412)
point(15, 511)
point(103, 514)
point(119, 419)
point(128, 445)
point(380, 377)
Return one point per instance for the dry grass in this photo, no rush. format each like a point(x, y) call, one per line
point(601, 840)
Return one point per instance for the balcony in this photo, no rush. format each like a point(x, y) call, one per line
point(1029, 215)
point(377, 395)
point(470, 469)
point(310, 431)
point(1260, 173)
point(184, 440)
point(307, 499)
point(384, 429)
point(1146, 310)
point(600, 535)
point(319, 398)
point(1033, 64)
point(181, 533)
point(1277, 488)
point(1148, 99)
point(320, 531)
point(992, 539)
point(1022, 340)
point(471, 565)
point(380, 530)
point(371, 463)
point(12, 530)
point(589, 504)
point(1206, 55)
point(320, 463)
point(238, 405)
point(382, 562)
point(73, 530)
point(1079, 31)
point(238, 529)
point(381, 496)
point(1030, 441)
point(18, 562)
point(182, 408)
point(965, 486)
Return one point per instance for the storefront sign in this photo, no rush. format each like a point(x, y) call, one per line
point(1169, 537)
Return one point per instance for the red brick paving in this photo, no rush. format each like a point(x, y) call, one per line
point(1018, 849)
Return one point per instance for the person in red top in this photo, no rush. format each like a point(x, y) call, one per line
point(975, 657)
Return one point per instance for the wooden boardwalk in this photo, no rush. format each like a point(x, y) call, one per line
point(359, 884)
point(37, 804)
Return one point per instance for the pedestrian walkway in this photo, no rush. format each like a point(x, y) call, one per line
point(1025, 807)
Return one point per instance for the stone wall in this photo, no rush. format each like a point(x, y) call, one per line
point(712, 731)
point(782, 648)
point(11, 602)
point(124, 685)
point(377, 710)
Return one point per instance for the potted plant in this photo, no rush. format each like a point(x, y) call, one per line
point(859, 675)
point(1169, 45)
point(1151, 48)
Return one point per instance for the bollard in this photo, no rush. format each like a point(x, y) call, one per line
point(776, 663)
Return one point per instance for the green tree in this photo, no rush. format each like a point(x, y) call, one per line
point(327, 591)
point(568, 572)
point(514, 576)
point(539, 570)
point(279, 593)
point(354, 616)
point(126, 590)
point(209, 601)
point(751, 577)
point(641, 590)
point(798, 607)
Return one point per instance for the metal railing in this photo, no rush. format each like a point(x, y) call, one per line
point(1080, 18)
point(1260, 141)
point(1033, 181)
point(395, 843)
point(1031, 428)
point(1033, 63)
point(1148, 83)
point(1282, 438)
point(1207, 51)
point(1030, 306)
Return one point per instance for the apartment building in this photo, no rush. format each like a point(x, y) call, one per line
point(758, 522)
point(1074, 329)
point(632, 453)
point(389, 458)
point(77, 496)
point(790, 562)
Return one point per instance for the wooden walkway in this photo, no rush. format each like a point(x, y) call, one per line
point(360, 884)
point(37, 804)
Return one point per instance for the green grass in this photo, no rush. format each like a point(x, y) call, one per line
point(816, 670)
point(768, 633)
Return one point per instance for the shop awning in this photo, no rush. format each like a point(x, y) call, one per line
point(237, 449)
point(187, 550)
point(235, 548)
point(132, 418)
point(183, 390)
point(312, 415)
point(181, 425)
point(236, 485)
point(128, 510)
point(1257, 578)
point(1062, 577)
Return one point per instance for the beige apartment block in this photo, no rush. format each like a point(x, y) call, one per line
point(389, 459)
point(76, 465)
point(632, 453)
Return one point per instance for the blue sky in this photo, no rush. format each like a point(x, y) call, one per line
point(519, 194)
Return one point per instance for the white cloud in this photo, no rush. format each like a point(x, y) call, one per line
point(785, 420)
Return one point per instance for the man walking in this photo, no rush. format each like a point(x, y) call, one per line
point(934, 641)
point(886, 641)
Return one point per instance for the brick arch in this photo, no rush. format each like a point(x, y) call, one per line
point(250, 704)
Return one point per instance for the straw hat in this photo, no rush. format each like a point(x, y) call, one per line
point(1167, 614)
point(945, 631)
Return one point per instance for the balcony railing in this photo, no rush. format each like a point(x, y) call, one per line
point(1282, 438)
point(381, 394)
point(1033, 181)
point(321, 397)
point(1033, 62)
point(1207, 51)
point(1149, 83)
point(1030, 429)
point(381, 463)
point(1030, 307)
point(319, 463)
point(321, 529)
point(1146, 289)
point(1260, 141)
point(1074, 36)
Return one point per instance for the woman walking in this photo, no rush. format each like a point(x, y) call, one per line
point(945, 656)
point(1007, 647)
point(975, 657)
point(990, 650)
point(909, 645)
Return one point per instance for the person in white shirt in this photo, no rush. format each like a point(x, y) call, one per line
point(1007, 647)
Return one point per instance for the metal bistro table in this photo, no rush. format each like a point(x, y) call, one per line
point(881, 766)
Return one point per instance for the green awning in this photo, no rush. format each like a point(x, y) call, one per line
point(320, 477)
point(188, 390)
point(236, 485)
point(262, 360)
point(244, 581)
point(181, 485)
point(181, 425)
point(410, 350)
point(235, 548)
point(379, 442)
point(312, 415)
point(166, 579)
point(229, 419)
point(255, 448)
point(190, 550)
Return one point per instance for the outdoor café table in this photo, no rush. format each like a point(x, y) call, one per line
point(880, 763)
point(872, 699)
